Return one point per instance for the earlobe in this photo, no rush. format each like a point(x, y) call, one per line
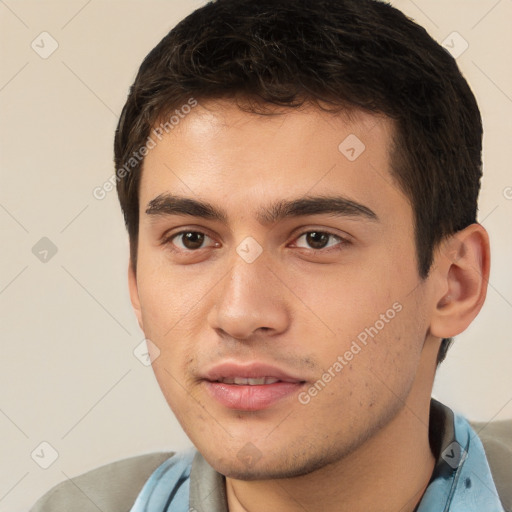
point(462, 268)
point(134, 294)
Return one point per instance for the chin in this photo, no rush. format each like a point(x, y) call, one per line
point(270, 468)
point(263, 473)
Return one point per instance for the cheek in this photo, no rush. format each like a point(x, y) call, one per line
point(370, 377)
point(168, 299)
point(375, 351)
point(166, 326)
point(346, 305)
point(396, 348)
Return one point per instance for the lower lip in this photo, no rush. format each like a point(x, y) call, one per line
point(251, 398)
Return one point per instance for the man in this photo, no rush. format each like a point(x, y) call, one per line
point(299, 180)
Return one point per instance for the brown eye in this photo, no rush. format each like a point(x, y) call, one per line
point(188, 240)
point(193, 240)
point(318, 240)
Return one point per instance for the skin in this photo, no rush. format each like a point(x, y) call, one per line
point(360, 444)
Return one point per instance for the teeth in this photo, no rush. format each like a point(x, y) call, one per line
point(243, 381)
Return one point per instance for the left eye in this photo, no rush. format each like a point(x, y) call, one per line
point(318, 240)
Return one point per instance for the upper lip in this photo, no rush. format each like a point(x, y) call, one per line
point(252, 370)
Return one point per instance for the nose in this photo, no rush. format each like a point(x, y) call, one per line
point(250, 301)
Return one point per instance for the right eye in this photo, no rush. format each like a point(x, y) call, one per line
point(188, 241)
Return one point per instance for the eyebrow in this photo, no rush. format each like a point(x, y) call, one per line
point(338, 206)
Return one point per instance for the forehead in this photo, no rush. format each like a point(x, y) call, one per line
point(241, 159)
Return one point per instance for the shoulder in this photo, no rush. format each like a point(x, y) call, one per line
point(496, 438)
point(110, 488)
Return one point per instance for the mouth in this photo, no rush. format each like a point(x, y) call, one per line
point(250, 387)
point(248, 381)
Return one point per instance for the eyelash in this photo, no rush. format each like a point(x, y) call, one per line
point(167, 240)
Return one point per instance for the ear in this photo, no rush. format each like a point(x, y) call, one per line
point(461, 267)
point(134, 294)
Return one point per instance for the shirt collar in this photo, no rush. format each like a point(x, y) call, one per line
point(461, 480)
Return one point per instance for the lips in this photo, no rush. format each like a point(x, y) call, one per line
point(245, 381)
point(249, 387)
point(255, 370)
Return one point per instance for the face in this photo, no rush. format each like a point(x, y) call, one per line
point(277, 282)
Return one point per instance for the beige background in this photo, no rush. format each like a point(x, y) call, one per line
point(68, 375)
